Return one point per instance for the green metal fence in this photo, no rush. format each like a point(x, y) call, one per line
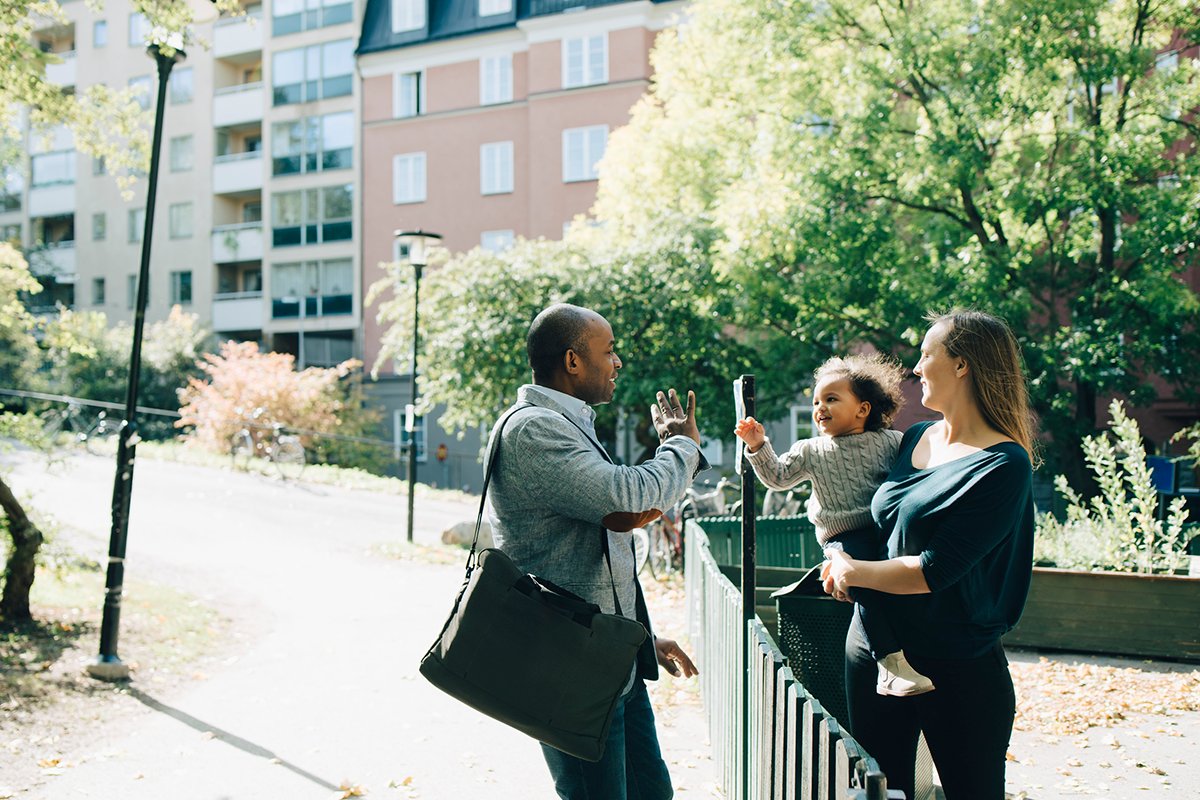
point(795, 749)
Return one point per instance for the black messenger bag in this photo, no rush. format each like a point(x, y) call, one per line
point(531, 654)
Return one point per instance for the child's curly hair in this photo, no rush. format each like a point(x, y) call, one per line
point(875, 379)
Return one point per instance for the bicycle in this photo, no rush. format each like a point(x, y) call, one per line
point(93, 437)
point(285, 452)
point(97, 437)
point(778, 504)
point(56, 419)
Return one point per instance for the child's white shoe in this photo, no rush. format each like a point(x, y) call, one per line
point(897, 678)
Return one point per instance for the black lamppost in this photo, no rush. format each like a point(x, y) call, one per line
point(107, 665)
point(418, 243)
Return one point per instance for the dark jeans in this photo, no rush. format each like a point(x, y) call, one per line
point(632, 767)
point(863, 545)
point(967, 720)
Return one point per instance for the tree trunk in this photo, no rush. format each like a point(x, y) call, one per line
point(18, 573)
point(1074, 465)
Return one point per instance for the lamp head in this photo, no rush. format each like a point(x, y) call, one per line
point(418, 243)
point(202, 10)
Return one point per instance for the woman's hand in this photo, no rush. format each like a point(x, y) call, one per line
point(836, 574)
point(751, 431)
point(672, 658)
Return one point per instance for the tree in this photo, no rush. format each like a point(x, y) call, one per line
point(659, 294)
point(18, 346)
point(859, 163)
point(242, 386)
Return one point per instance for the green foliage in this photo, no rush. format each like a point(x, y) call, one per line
point(857, 163)
point(1119, 529)
point(86, 358)
point(18, 347)
point(664, 302)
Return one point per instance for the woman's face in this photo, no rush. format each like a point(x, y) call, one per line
point(938, 370)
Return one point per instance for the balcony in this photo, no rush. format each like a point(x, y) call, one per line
point(54, 259)
point(52, 200)
point(238, 311)
point(63, 74)
point(232, 243)
point(238, 173)
point(238, 105)
point(236, 36)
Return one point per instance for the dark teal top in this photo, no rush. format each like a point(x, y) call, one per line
point(971, 522)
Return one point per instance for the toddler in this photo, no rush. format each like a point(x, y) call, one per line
point(854, 402)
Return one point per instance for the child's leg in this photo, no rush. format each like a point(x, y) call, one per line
point(863, 545)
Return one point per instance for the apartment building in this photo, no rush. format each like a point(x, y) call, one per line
point(484, 119)
point(256, 228)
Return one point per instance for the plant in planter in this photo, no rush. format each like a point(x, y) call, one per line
point(1118, 530)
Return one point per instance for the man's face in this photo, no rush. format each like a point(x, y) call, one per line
point(596, 378)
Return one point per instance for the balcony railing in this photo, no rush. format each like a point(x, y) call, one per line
point(238, 105)
point(233, 243)
point(238, 172)
point(63, 74)
point(234, 36)
point(237, 311)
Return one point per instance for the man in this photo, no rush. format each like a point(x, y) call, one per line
point(556, 500)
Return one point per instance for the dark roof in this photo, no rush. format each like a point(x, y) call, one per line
point(447, 19)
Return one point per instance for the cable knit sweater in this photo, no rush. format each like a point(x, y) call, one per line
point(845, 472)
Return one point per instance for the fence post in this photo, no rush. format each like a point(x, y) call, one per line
point(748, 587)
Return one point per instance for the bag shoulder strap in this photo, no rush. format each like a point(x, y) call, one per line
point(487, 479)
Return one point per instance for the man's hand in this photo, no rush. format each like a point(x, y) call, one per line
point(670, 419)
point(751, 431)
point(670, 655)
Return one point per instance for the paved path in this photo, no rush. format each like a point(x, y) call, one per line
point(326, 688)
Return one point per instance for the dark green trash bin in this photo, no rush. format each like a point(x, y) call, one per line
point(812, 637)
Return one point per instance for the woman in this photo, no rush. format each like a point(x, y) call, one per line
point(957, 514)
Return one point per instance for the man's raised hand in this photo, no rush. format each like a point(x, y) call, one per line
point(670, 418)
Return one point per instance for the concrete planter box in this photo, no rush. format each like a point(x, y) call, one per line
point(1148, 616)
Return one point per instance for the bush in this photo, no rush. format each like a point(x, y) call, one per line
point(1119, 529)
point(246, 386)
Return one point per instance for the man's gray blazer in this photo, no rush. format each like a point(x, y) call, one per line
point(551, 487)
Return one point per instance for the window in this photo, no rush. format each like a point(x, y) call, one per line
point(131, 290)
point(496, 168)
point(100, 34)
point(418, 432)
point(53, 168)
point(495, 80)
point(585, 61)
point(252, 211)
point(143, 89)
point(495, 241)
point(180, 220)
point(182, 153)
point(97, 291)
point(312, 144)
point(183, 85)
point(488, 8)
point(291, 16)
point(408, 15)
point(11, 189)
point(582, 148)
point(11, 234)
point(312, 216)
point(137, 223)
point(408, 100)
point(58, 231)
point(139, 30)
point(181, 288)
point(99, 166)
point(326, 286)
point(99, 227)
point(408, 178)
point(311, 73)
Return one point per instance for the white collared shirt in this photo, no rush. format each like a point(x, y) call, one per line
point(572, 404)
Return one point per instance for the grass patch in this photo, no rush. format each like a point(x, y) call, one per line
point(422, 553)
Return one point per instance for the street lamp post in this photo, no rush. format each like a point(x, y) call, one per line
point(107, 665)
point(418, 243)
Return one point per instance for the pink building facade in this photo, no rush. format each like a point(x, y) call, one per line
point(490, 126)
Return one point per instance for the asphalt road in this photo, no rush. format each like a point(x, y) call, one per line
point(326, 689)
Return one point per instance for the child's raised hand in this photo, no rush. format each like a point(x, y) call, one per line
point(750, 431)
